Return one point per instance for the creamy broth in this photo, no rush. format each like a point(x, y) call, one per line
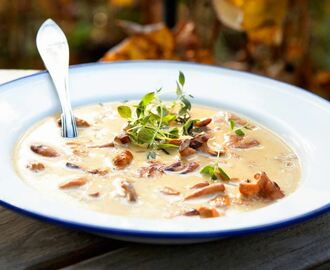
point(102, 190)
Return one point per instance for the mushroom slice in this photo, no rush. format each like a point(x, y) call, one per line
point(190, 167)
point(210, 189)
point(185, 149)
point(242, 142)
point(123, 159)
point(129, 190)
point(44, 150)
point(155, 168)
point(199, 142)
point(122, 138)
point(169, 191)
point(73, 183)
point(203, 123)
point(263, 188)
point(175, 167)
point(98, 171)
point(200, 185)
point(107, 145)
point(191, 212)
point(72, 165)
point(208, 212)
point(36, 166)
point(94, 193)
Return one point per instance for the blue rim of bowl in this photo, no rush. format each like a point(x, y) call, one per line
point(170, 235)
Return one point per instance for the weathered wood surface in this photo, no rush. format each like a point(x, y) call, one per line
point(302, 246)
point(27, 243)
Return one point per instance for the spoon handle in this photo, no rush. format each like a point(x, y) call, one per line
point(54, 51)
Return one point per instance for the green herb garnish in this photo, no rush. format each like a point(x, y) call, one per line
point(239, 132)
point(154, 123)
point(232, 124)
point(215, 172)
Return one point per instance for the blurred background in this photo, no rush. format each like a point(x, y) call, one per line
point(288, 40)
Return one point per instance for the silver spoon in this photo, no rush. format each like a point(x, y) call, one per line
point(54, 51)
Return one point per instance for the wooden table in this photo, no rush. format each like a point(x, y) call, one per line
point(26, 243)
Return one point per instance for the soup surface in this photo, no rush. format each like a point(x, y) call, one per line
point(224, 164)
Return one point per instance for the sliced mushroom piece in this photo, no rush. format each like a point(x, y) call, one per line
point(210, 189)
point(44, 150)
point(247, 143)
point(123, 159)
point(94, 193)
point(99, 171)
point(203, 123)
point(199, 142)
point(242, 142)
point(72, 165)
point(191, 212)
point(74, 183)
point(268, 189)
point(190, 167)
point(169, 191)
point(80, 122)
point(107, 145)
point(185, 150)
point(208, 212)
point(36, 166)
point(175, 167)
point(263, 188)
point(155, 168)
point(122, 138)
point(200, 185)
point(129, 190)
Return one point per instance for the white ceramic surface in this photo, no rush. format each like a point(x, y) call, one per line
point(300, 118)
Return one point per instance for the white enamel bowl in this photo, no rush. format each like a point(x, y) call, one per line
point(300, 118)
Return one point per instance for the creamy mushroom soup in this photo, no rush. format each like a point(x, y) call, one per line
point(158, 159)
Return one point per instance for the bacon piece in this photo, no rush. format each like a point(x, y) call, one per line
point(221, 201)
point(203, 123)
point(190, 167)
point(200, 185)
point(79, 122)
point(129, 190)
point(107, 145)
point(36, 166)
point(210, 189)
point(155, 168)
point(169, 191)
point(73, 183)
point(44, 150)
point(208, 212)
point(263, 188)
point(122, 138)
point(123, 159)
